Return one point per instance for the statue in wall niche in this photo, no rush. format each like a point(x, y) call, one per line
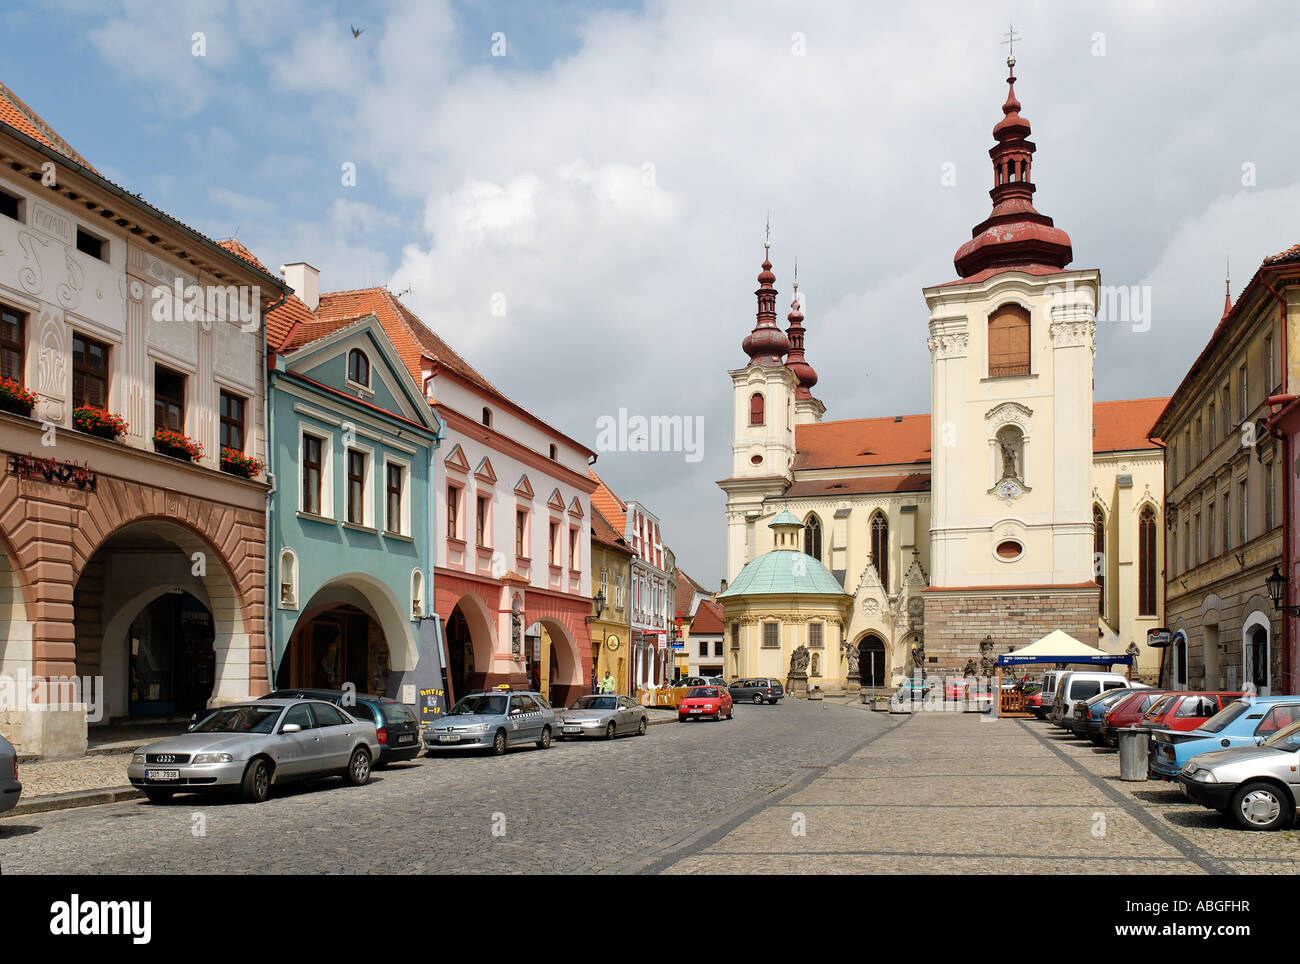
point(1009, 460)
point(799, 660)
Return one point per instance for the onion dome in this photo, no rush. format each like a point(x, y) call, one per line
point(767, 343)
point(1014, 235)
point(795, 360)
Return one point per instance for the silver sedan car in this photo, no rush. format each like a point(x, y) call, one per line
point(601, 714)
point(494, 720)
point(1256, 785)
point(10, 788)
point(248, 747)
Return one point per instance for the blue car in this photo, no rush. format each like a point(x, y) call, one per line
point(1241, 723)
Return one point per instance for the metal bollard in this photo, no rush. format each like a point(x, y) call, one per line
point(1134, 748)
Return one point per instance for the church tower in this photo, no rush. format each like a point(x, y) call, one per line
point(806, 408)
point(762, 448)
point(1011, 348)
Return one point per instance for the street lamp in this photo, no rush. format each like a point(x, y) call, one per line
point(1276, 590)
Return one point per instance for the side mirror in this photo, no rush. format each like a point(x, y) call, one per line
point(290, 728)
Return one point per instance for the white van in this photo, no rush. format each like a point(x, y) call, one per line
point(1076, 686)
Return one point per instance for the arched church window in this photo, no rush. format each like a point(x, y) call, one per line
point(756, 414)
point(812, 537)
point(1009, 342)
point(1011, 453)
point(880, 547)
point(1147, 561)
point(1099, 556)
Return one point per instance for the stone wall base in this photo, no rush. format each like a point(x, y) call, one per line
point(957, 620)
point(51, 734)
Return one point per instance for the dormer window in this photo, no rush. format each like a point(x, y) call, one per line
point(358, 368)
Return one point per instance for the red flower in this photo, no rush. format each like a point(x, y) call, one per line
point(241, 464)
point(90, 419)
point(181, 443)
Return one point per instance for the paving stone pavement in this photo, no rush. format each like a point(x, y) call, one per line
point(874, 793)
point(951, 793)
point(576, 807)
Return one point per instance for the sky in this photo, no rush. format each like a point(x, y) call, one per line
point(574, 195)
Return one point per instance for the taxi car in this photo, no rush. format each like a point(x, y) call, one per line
point(493, 720)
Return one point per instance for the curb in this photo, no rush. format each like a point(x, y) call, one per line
point(77, 798)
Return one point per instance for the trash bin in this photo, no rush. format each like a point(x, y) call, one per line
point(1134, 747)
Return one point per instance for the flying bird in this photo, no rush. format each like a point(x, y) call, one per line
point(355, 32)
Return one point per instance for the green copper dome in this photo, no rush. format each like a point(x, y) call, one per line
point(786, 518)
point(784, 572)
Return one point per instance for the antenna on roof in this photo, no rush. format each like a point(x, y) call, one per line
point(404, 291)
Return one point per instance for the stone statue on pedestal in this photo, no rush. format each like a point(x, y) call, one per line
point(853, 681)
point(797, 682)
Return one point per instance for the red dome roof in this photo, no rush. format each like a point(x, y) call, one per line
point(767, 343)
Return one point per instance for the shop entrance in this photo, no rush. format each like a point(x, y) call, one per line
point(341, 645)
point(171, 662)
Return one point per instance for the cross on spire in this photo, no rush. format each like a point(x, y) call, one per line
point(767, 232)
point(1012, 36)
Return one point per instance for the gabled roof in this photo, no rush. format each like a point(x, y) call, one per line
point(604, 501)
point(708, 619)
point(22, 118)
point(687, 589)
point(603, 532)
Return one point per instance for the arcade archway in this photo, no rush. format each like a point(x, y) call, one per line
point(872, 663)
point(469, 639)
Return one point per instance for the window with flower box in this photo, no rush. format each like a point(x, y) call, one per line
point(89, 373)
point(13, 345)
point(168, 399)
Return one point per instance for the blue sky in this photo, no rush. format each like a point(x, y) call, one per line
point(609, 177)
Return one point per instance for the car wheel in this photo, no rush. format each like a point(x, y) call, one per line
point(640, 729)
point(499, 743)
point(256, 785)
point(358, 773)
point(609, 730)
point(758, 700)
point(545, 741)
point(159, 796)
point(1260, 806)
point(728, 714)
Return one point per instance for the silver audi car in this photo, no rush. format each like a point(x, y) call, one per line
point(601, 714)
point(1257, 785)
point(249, 747)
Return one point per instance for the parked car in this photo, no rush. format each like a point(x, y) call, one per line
point(761, 690)
point(1184, 711)
point(601, 714)
point(1087, 719)
point(1242, 722)
point(701, 681)
point(1257, 785)
point(1040, 703)
point(1072, 687)
point(10, 788)
point(396, 724)
point(493, 720)
point(249, 747)
point(701, 701)
point(1127, 713)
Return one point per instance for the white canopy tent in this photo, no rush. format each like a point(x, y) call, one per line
point(1058, 647)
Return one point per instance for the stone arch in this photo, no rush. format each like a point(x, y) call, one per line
point(873, 659)
point(377, 600)
point(479, 624)
point(15, 628)
point(107, 599)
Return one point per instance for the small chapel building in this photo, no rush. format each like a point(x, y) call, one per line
point(1017, 506)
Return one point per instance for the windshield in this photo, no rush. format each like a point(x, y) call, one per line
point(240, 719)
point(484, 704)
point(1286, 739)
point(702, 691)
point(596, 703)
point(1159, 706)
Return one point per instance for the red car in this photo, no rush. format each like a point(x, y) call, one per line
point(701, 701)
point(1185, 711)
point(1128, 712)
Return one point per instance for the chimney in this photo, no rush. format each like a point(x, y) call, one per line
point(724, 587)
point(305, 282)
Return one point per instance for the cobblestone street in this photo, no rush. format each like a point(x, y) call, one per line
point(937, 793)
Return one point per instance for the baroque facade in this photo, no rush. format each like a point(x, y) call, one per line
point(1018, 506)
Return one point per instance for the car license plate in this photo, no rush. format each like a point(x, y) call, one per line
point(572, 729)
point(406, 738)
point(448, 738)
point(696, 709)
point(162, 775)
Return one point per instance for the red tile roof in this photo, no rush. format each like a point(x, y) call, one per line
point(862, 442)
point(604, 501)
point(282, 320)
point(686, 590)
point(603, 532)
point(708, 619)
point(25, 120)
point(905, 440)
point(1123, 426)
point(307, 332)
point(912, 482)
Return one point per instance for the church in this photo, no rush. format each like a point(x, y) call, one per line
point(1017, 506)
